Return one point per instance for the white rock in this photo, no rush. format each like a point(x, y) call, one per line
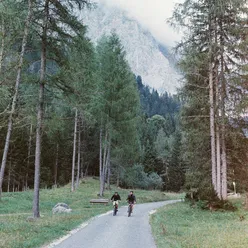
point(61, 208)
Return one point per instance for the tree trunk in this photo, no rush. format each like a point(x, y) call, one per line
point(36, 211)
point(56, 166)
point(105, 155)
point(218, 150)
point(212, 112)
point(23, 184)
point(82, 162)
point(101, 171)
point(86, 170)
point(36, 207)
point(9, 176)
point(2, 46)
point(109, 165)
point(29, 155)
point(105, 158)
point(218, 155)
point(79, 156)
point(223, 128)
point(74, 152)
point(82, 152)
point(14, 100)
point(224, 166)
point(217, 116)
point(82, 172)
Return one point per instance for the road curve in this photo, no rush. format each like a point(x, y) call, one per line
point(119, 231)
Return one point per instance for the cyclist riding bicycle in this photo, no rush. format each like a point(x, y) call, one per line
point(131, 199)
point(115, 199)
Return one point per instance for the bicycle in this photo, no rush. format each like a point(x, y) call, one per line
point(130, 209)
point(115, 210)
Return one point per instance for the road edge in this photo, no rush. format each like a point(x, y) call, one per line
point(86, 223)
point(155, 211)
point(72, 232)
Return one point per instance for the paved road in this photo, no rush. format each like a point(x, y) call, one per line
point(119, 231)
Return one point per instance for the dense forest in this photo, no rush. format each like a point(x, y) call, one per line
point(70, 109)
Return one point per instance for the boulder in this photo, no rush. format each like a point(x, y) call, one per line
point(61, 208)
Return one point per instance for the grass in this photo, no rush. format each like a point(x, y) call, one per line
point(17, 232)
point(180, 225)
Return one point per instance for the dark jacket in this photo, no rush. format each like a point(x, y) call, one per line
point(116, 197)
point(131, 198)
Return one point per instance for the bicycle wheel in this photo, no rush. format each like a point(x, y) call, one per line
point(129, 210)
point(115, 210)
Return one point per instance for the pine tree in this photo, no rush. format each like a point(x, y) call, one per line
point(55, 15)
point(212, 29)
point(14, 100)
point(118, 106)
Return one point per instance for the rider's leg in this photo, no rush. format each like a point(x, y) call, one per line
point(115, 204)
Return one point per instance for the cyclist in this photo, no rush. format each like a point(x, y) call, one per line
point(131, 199)
point(115, 199)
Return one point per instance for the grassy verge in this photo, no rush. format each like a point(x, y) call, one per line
point(16, 232)
point(179, 225)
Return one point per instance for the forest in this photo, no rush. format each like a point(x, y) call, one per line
point(71, 109)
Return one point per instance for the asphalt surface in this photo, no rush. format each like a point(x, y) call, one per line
point(118, 231)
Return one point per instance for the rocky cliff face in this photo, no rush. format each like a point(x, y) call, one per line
point(145, 55)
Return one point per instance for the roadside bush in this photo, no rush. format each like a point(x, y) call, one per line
point(155, 181)
point(206, 198)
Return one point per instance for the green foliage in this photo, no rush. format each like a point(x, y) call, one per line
point(154, 181)
point(98, 82)
point(206, 198)
point(195, 122)
point(224, 39)
point(4, 97)
point(160, 137)
point(68, 71)
point(117, 100)
point(152, 103)
point(135, 177)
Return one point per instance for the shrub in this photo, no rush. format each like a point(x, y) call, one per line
point(155, 181)
point(206, 198)
point(135, 177)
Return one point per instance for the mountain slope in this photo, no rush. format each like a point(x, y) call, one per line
point(144, 53)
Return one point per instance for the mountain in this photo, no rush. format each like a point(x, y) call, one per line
point(146, 56)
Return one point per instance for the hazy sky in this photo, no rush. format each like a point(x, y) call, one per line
point(152, 14)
